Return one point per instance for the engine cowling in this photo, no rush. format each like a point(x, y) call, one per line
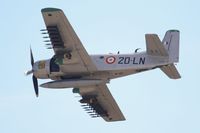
point(41, 69)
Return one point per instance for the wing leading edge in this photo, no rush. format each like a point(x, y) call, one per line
point(66, 44)
point(99, 102)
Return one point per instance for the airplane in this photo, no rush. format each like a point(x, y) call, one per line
point(72, 67)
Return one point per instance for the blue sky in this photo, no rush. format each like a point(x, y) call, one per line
point(150, 101)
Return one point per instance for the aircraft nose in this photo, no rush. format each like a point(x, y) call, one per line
point(35, 68)
point(32, 71)
point(39, 69)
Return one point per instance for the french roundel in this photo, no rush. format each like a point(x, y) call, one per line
point(110, 60)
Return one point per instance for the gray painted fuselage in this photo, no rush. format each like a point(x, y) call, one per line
point(120, 65)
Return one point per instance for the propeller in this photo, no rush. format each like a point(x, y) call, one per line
point(35, 81)
point(35, 84)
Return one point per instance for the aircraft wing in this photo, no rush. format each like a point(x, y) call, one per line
point(67, 47)
point(99, 102)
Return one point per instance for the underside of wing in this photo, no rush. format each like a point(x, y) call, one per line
point(98, 102)
point(155, 46)
point(66, 44)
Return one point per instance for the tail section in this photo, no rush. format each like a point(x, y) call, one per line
point(168, 48)
point(171, 44)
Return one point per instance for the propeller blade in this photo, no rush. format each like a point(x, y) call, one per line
point(35, 81)
point(32, 59)
point(35, 84)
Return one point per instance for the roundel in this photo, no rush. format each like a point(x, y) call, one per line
point(110, 60)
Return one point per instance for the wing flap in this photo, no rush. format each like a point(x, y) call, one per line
point(105, 105)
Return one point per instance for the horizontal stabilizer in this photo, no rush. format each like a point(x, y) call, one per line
point(171, 71)
point(155, 46)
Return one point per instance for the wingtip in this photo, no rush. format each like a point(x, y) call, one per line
point(50, 9)
point(173, 30)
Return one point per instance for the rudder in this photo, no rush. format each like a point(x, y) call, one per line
point(171, 43)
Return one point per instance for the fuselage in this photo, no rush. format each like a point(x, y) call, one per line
point(109, 66)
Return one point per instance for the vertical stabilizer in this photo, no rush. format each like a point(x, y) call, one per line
point(171, 43)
